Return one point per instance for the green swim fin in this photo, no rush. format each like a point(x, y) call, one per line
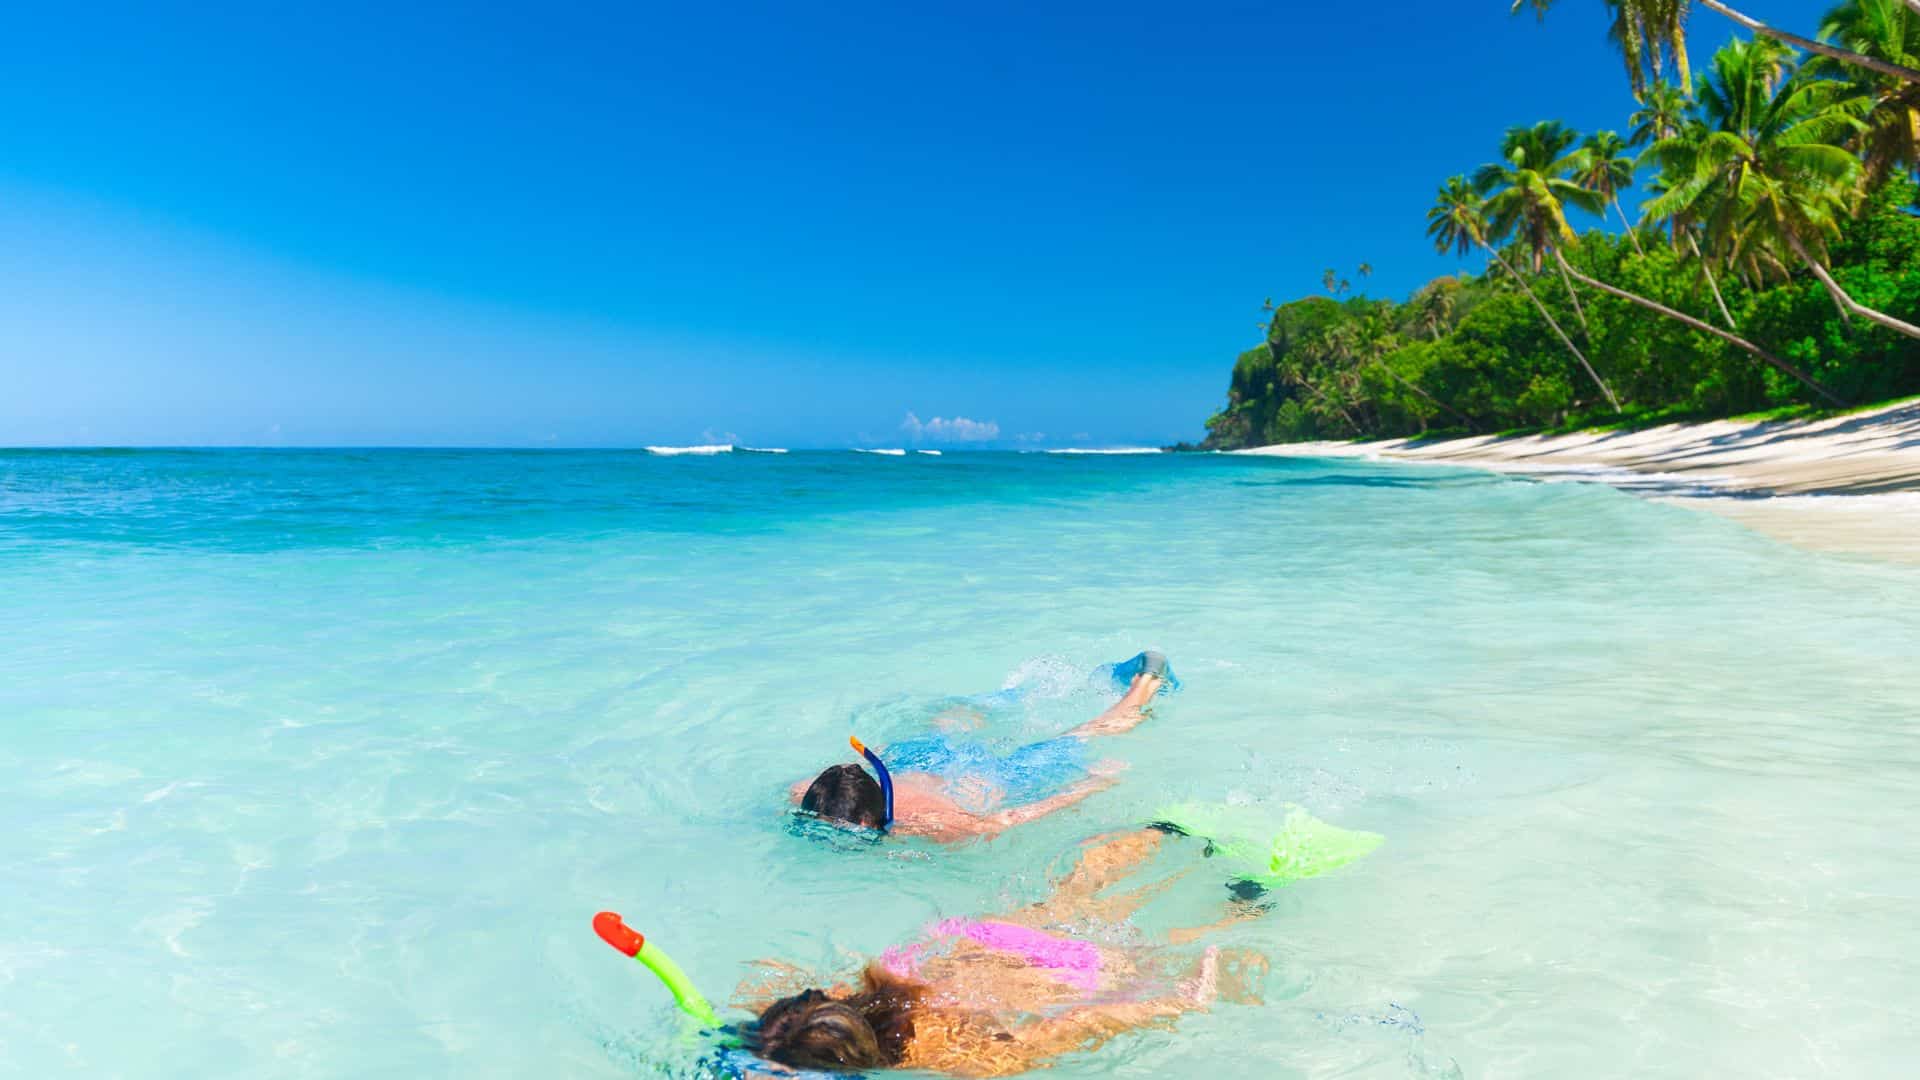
point(1270, 850)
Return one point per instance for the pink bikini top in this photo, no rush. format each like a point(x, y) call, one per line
point(1076, 963)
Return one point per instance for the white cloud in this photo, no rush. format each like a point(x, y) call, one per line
point(941, 429)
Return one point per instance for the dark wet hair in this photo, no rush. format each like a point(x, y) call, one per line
point(846, 793)
point(810, 1030)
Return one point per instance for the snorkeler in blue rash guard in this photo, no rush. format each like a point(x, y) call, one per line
point(935, 779)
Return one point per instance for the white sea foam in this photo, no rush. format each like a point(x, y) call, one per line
point(929, 453)
point(1047, 677)
point(761, 449)
point(675, 451)
point(889, 453)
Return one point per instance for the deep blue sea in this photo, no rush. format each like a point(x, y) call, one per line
point(318, 763)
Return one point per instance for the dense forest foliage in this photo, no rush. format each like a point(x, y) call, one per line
point(1776, 261)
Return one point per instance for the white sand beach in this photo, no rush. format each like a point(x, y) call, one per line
point(1849, 483)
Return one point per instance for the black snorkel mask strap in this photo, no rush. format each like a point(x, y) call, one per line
point(886, 779)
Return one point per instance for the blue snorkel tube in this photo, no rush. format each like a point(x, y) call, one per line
point(886, 779)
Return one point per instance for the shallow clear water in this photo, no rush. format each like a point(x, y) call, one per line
point(318, 764)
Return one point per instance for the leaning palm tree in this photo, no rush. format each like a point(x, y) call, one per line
point(1661, 29)
point(1527, 189)
point(1604, 168)
point(1704, 327)
point(1890, 30)
point(1771, 181)
point(1458, 222)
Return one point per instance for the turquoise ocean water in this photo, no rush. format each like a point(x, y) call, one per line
point(319, 763)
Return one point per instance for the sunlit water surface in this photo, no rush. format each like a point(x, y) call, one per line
point(318, 764)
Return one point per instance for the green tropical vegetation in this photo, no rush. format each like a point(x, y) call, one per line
point(1774, 263)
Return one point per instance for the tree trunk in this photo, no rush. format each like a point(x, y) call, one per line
point(1711, 282)
point(1631, 234)
point(1395, 376)
point(1434, 328)
point(1883, 67)
point(1708, 328)
point(1579, 312)
point(1332, 397)
point(1551, 321)
point(1847, 304)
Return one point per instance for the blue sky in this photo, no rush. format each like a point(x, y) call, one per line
point(618, 224)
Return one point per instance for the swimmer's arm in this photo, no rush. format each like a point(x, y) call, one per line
point(1089, 1026)
point(995, 824)
point(942, 820)
point(948, 824)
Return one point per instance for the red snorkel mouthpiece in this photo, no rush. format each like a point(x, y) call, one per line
point(615, 932)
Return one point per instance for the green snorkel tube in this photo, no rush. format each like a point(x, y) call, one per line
point(625, 939)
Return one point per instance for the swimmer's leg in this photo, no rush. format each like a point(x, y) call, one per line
point(1129, 711)
point(1104, 861)
point(1118, 908)
point(1246, 904)
point(1236, 914)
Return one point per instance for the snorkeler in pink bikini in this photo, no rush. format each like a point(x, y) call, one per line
point(994, 997)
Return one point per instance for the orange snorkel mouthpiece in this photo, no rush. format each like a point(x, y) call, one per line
point(615, 932)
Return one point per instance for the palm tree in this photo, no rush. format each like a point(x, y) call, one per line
point(1660, 26)
point(1891, 31)
point(1664, 107)
point(1604, 168)
point(1334, 283)
point(1527, 190)
point(1666, 112)
point(1678, 150)
point(1366, 271)
point(1648, 33)
point(1458, 222)
point(1435, 305)
point(1769, 181)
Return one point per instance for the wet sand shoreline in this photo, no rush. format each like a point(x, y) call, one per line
point(1848, 483)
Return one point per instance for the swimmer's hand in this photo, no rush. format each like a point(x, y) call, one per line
point(1200, 990)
